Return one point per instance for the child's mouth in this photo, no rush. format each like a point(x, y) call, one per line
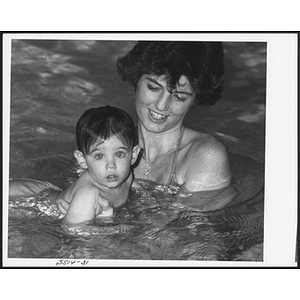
point(112, 178)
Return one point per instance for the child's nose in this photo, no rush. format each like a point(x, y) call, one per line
point(110, 164)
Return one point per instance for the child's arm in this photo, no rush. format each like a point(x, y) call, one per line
point(82, 207)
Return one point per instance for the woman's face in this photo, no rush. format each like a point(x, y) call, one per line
point(158, 108)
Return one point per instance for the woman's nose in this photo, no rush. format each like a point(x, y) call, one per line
point(162, 102)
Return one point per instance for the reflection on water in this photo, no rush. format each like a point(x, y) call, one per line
point(53, 82)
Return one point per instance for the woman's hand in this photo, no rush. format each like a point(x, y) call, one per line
point(136, 184)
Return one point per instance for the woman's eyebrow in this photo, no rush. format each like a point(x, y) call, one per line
point(153, 80)
point(183, 92)
point(178, 92)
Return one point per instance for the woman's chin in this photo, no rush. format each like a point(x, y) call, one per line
point(155, 127)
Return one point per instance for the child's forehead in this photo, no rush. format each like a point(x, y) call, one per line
point(112, 142)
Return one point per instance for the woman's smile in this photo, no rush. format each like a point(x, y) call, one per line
point(157, 117)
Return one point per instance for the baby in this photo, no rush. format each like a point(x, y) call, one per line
point(106, 150)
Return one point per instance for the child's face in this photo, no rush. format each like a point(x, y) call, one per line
point(109, 163)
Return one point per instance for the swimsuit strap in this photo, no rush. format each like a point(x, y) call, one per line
point(172, 178)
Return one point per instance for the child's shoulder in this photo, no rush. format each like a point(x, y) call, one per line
point(85, 192)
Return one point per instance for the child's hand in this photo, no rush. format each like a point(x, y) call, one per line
point(107, 210)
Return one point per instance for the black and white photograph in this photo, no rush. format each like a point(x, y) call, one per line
point(147, 150)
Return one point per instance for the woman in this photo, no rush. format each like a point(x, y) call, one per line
point(169, 78)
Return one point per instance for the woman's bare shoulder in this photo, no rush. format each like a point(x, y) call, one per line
point(206, 163)
point(203, 143)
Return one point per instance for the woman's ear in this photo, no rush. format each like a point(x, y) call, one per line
point(135, 153)
point(80, 159)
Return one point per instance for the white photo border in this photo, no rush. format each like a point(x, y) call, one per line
point(280, 228)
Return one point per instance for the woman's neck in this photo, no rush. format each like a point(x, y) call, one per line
point(158, 144)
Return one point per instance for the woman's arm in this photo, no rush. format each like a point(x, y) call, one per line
point(27, 187)
point(207, 166)
point(62, 205)
point(136, 184)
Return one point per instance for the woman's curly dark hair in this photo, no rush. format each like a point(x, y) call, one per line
point(200, 62)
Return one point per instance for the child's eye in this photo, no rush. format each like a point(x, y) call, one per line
point(99, 156)
point(120, 154)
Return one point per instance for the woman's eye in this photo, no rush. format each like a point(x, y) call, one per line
point(120, 154)
point(153, 88)
point(98, 156)
point(178, 97)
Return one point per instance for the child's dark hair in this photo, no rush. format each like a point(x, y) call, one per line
point(103, 123)
point(200, 62)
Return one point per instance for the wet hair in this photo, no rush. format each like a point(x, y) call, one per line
point(200, 62)
point(103, 123)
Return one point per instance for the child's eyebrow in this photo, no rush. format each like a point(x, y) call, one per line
point(96, 147)
point(118, 148)
point(123, 148)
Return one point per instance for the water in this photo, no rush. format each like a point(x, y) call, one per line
point(53, 82)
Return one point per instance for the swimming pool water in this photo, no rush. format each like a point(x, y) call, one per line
point(157, 223)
